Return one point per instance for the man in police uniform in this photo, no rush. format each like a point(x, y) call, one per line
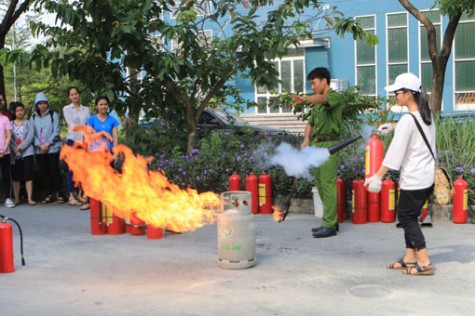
point(323, 130)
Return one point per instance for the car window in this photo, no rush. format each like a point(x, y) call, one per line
point(208, 119)
point(230, 118)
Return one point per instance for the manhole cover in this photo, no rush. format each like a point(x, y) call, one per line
point(370, 291)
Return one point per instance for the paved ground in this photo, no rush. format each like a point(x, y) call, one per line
point(70, 272)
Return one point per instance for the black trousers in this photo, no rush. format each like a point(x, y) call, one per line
point(49, 172)
point(6, 175)
point(409, 209)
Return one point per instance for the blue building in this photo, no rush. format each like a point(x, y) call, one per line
point(402, 47)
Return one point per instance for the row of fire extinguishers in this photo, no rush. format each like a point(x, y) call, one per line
point(260, 188)
point(374, 207)
point(368, 206)
point(104, 221)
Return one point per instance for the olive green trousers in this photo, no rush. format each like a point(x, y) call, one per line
point(325, 181)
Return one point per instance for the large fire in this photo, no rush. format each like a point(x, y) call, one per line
point(147, 193)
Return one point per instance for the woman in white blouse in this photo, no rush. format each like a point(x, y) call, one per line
point(74, 114)
point(409, 153)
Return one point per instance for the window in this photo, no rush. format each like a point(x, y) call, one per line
point(202, 8)
point(464, 65)
point(425, 61)
point(205, 37)
point(174, 44)
point(397, 45)
point(365, 56)
point(292, 75)
point(157, 42)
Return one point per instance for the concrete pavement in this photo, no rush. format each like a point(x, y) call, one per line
point(70, 272)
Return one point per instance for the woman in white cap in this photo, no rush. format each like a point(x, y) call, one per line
point(409, 153)
point(47, 144)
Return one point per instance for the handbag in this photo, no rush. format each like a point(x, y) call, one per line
point(443, 188)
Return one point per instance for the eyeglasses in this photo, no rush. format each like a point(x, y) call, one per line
point(399, 92)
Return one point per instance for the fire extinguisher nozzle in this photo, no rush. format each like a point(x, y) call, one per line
point(335, 148)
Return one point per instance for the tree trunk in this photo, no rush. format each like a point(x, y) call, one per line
point(438, 79)
point(191, 140)
point(11, 14)
point(2, 84)
point(130, 122)
point(439, 59)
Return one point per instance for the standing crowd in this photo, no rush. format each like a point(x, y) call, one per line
point(23, 140)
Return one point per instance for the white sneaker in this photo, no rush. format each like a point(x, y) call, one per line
point(9, 203)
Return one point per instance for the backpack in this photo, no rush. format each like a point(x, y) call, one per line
point(51, 113)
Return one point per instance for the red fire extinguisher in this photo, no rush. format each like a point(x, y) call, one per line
point(6, 248)
point(340, 200)
point(265, 193)
point(374, 205)
point(388, 202)
point(251, 186)
point(154, 232)
point(374, 156)
point(6, 245)
point(359, 202)
point(137, 226)
point(460, 201)
point(424, 211)
point(234, 182)
point(373, 160)
point(116, 227)
point(98, 224)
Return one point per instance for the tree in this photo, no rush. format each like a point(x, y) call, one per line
point(122, 49)
point(454, 9)
point(12, 11)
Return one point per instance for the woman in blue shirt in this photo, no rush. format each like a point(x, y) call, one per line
point(105, 124)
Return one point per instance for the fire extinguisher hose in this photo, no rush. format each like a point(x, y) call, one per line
point(4, 219)
point(473, 213)
point(286, 206)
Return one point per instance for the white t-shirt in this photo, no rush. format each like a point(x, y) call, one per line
point(409, 153)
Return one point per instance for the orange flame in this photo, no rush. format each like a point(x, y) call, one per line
point(277, 215)
point(136, 189)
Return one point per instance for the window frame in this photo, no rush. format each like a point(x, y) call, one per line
point(268, 95)
point(388, 63)
point(199, 12)
point(462, 107)
point(375, 64)
point(389, 95)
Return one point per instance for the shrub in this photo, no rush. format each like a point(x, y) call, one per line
point(209, 167)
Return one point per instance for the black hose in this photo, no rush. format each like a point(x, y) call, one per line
point(21, 236)
point(333, 149)
point(473, 213)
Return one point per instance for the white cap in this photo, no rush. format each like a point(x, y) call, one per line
point(407, 81)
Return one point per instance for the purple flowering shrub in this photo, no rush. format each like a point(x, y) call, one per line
point(209, 166)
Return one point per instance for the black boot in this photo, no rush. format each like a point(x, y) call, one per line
point(325, 232)
point(316, 229)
